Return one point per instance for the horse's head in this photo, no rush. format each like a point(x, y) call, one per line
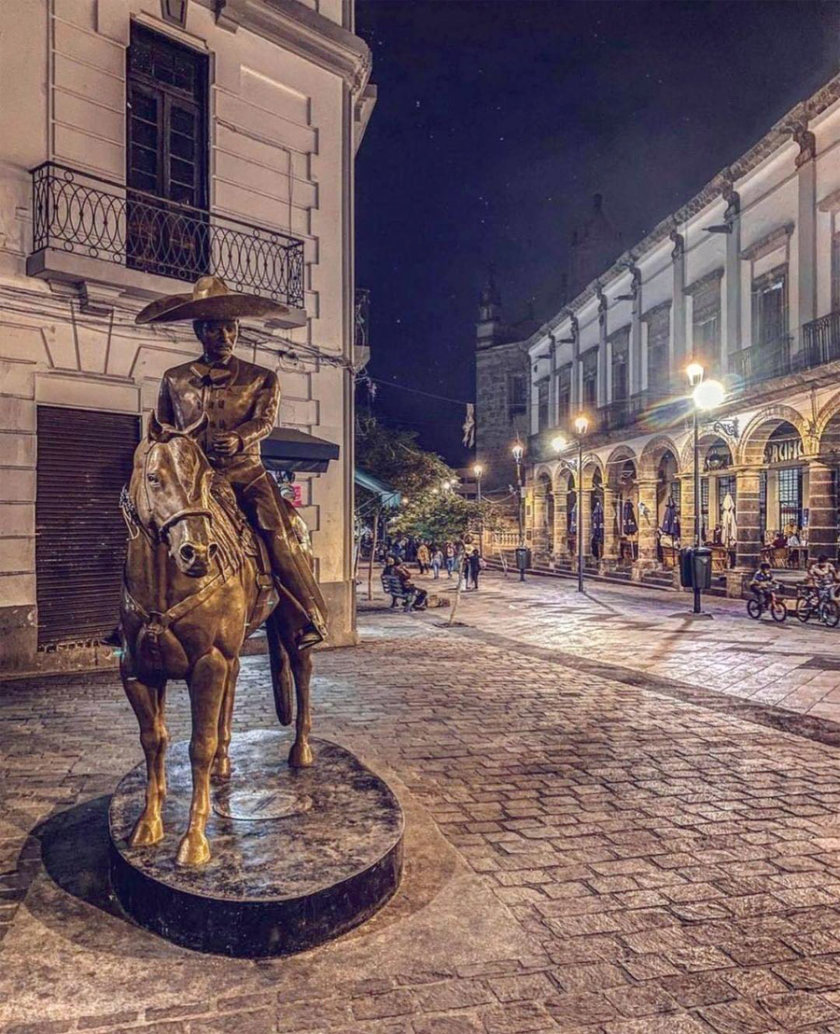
point(176, 492)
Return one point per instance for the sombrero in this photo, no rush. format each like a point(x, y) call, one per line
point(210, 299)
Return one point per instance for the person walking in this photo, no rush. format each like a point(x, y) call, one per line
point(474, 564)
point(437, 561)
point(450, 559)
point(423, 558)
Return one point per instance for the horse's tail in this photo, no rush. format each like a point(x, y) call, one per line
point(282, 680)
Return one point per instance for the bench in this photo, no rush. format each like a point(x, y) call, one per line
point(393, 587)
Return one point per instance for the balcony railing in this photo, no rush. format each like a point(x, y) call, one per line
point(763, 361)
point(74, 212)
point(821, 340)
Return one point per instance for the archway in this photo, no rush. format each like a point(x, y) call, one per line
point(623, 502)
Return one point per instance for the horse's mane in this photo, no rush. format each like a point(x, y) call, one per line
point(228, 520)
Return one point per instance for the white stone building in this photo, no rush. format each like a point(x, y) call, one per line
point(143, 143)
point(745, 278)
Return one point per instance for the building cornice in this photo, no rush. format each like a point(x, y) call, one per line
point(297, 28)
point(789, 128)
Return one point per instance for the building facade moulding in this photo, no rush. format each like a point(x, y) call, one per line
point(656, 310)
point(704, 281)
point(769, 242)
point(830, 203)
point(303, 31)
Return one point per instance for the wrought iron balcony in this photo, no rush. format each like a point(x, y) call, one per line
point(763, 361)
point(821, 340)
point(82, 225)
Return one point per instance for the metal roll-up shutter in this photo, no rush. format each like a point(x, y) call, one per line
point(84, 459)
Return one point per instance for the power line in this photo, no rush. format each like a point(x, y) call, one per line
point(417, 391)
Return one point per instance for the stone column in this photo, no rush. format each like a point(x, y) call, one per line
point(586, 503)
point(731, 342)
point(647, 525)
point(687, 508)
point(748, 550)
point(822, 510)
point(560, 502)
point(806, 226)
point(678, 308)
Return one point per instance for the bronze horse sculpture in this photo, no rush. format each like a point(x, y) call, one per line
point(195, 587)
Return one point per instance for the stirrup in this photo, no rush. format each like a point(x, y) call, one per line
point(113, 638)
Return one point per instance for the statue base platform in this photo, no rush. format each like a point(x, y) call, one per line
point(299, 855)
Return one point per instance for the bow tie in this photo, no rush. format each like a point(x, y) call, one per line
point(216, 374)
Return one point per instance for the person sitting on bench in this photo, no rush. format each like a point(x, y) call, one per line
point(402, 572)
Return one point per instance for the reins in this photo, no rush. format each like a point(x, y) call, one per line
point(159, 620)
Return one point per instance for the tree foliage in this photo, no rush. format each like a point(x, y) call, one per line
point(428, 511)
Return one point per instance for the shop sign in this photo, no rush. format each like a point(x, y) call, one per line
point(783, 450)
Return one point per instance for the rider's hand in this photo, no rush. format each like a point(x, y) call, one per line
point(227, 443)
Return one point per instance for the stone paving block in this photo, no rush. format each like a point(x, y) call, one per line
point(797, 1009)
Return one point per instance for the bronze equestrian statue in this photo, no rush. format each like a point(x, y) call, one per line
point(197, 582)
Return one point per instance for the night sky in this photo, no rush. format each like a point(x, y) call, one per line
point(498, 120)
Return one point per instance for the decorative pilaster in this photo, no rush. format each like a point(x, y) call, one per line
point(602, 346)
point(731, 340)
point(552, 382)
point(635, 357)
point(678, 310)
point(806, 225)
point(574, 329)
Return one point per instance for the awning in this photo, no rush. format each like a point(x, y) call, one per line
point(387, 496)
point(286, 448)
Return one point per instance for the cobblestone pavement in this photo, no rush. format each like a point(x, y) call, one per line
point(628, 628)
point(584, 854)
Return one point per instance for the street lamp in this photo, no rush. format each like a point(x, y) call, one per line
point(706, 395)
point(518, 453)
point(478, 470)
point(581, 427)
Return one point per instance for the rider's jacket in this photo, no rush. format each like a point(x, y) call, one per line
point(236, 396)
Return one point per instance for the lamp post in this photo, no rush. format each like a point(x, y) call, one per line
point(706, 395)
point(478, 470)
point(518, 453)
point(581, 427)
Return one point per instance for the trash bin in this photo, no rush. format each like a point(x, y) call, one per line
point(523, 558)
point(702, 566)
point(686, 568)
point(696, 568)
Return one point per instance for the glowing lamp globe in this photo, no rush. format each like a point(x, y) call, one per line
point(709, 395)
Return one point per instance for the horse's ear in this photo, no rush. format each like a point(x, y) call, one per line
point(194, 430)
point(156, 432)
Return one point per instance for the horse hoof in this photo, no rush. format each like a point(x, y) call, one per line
point(193, 850)
point(146, 832)
point(221, 768)
point(301, 756)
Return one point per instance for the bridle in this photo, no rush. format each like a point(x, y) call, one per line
point(132, 517)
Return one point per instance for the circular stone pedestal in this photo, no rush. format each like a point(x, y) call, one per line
point(299, 855)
